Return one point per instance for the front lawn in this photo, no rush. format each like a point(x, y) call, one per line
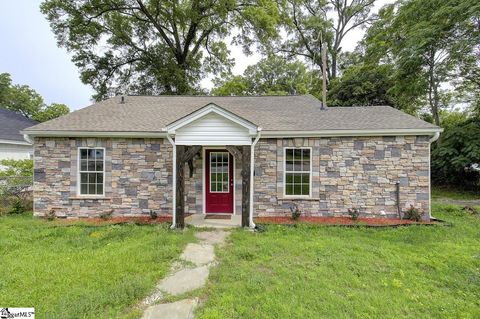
point(439, 192)
point(82, 271)
point(335, 272)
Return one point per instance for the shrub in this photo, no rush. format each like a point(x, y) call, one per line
point(296, 212)
point(17, 207)
point(470, 210)
point(106, 215)
point(354, 213)
point(459, 148)
point(413, 214)
point(153, 214)
point(50, 215)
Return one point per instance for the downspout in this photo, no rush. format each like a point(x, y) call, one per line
point(174, 182)
point(430, 141)
point(252, 170)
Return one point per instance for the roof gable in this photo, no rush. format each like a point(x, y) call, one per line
point(211, 108)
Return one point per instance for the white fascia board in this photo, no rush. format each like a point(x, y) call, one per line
point(332, 133)
point(209, 108)
point(14, 142)
point(93, 134)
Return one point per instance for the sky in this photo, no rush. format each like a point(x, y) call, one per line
point(30, 54)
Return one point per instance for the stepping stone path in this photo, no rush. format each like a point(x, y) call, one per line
point(187, 276)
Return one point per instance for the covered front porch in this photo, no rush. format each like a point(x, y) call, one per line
point(213, 175)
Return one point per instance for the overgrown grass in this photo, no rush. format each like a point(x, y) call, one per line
point(82, 271)
point(334, 272)
point(447, 193)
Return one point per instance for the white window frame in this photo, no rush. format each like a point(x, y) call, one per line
point(79, 182)
point(210, 172)
point(285, 172)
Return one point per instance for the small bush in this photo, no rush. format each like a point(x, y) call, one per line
point(17, 207)
point(296, 212)
point(51, 214)
point(153, 214)
point(106, 215)
point(470, 210)
point(413, 214)
point(354, 213)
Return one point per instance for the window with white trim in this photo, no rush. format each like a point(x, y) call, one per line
point(91, 171)
point(219, 172)
point(298, 171)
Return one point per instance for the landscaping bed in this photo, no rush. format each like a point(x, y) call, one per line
point(341, 221)
point(141, 220)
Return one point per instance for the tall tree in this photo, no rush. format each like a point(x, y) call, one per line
point(308, 27)
point(426, 41)
point(26, 101)
point(154, 46)
point(271, 75)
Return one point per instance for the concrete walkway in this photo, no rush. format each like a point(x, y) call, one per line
point(198, 220)
point(185, 278)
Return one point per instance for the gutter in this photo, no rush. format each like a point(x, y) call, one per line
point(252, 170)
point(265, 134)
point(174, 182)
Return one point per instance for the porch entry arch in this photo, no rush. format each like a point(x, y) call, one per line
point(213, 126)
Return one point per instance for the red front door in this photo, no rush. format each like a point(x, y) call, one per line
point(219, 181)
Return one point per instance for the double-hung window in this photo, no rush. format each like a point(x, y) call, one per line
point(91, 171)
point(298, 171)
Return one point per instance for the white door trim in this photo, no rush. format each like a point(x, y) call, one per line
point(204, 192)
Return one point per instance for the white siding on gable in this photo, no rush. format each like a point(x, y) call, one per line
point(212, 129)
point(15, 151)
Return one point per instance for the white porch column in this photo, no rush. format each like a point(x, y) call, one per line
point(174, 182)
point(252, 171)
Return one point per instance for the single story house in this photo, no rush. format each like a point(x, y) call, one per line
point(253, 156)
point(12, 143)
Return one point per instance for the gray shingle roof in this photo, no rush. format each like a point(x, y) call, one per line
point(271, 113)
point(11, 124)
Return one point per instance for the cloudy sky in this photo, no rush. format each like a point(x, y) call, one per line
point(30, 54)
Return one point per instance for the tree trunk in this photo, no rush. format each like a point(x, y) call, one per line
point(333, 73)
point(180, 187)
point(246, 185)
point(433, 97)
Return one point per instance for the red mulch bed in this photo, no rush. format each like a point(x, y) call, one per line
point(144, 220)
point(341, 221)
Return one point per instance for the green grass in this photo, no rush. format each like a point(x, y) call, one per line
point(82, 271)
point(334, 272)
point(447, 193)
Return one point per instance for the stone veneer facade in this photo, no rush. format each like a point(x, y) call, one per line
point(346, 172)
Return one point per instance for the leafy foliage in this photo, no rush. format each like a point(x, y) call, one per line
point(362, 85)
point(13, 168)
point(413, 213)
point(154, 46)
point(296, 211)
point(354, 213)
point(17, 207)
point(425, 41)
point(26, 101)
point(308, 28)
point(271, 76)
point(459, 147)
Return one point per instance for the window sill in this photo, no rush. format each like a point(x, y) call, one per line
point(89, 197)
point(285, 198)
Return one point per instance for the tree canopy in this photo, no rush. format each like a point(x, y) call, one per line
point(26, 101)
point(271, 76)
point(155, 46)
